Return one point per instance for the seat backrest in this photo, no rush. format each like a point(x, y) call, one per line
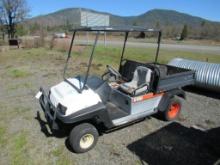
point(142, 75)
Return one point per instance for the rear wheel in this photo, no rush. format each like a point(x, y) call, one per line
point(83, 137)
point(173, 110)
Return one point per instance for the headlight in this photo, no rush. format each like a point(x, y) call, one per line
point(62, 109)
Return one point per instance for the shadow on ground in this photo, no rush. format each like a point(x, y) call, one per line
point(202, 91)
point(59, 134)
point(175, 144)
point(45, 129)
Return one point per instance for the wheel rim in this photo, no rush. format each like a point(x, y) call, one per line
point(174, 110)
point(86, 141)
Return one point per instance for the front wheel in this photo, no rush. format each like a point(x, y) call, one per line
point(173, 110)
point(83, 137)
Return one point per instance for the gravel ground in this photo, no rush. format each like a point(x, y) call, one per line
point(25, 139)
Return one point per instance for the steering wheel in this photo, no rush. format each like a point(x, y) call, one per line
point(113, 72)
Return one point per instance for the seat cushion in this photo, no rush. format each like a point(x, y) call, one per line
point(129, 87)
point(139, 83)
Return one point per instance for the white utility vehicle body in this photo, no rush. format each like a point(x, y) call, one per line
point(91, 105)
point(64, 94)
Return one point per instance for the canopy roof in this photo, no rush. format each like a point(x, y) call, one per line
point(116, 29)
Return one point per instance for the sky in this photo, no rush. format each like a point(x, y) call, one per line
point(208, 9)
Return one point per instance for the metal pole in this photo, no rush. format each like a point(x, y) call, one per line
point(105, 38)
point(87, 38)
point(123, 50)
point(87, 24)
point(69, 54)
point(158, 46)
point(90, 60)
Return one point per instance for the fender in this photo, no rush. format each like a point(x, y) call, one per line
point(97, 112)
point(164, 102)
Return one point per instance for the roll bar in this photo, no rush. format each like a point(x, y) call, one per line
point(99, 29)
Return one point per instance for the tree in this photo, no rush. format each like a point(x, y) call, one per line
point(203, 23)
point(2, 26)
point(21, 30)
point(1, 15)
point(13, 12)
point(157, 25)
point(34, 27)
point(184, 32)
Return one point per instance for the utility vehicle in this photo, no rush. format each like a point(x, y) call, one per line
point(94, 105)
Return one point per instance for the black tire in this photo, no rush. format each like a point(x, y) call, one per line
point(78, 133)
point(175, 106)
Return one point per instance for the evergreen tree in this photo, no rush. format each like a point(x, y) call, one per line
point(184, 33)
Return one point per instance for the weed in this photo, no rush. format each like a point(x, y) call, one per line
point(57, 152)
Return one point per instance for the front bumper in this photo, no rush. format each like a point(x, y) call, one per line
point(50, 111)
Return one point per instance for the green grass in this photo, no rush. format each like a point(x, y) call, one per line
point(18, 73)
point(2, 133)
point(18, 150)
point(57, 152)
point(18, 86)
point(62, 158)
point(7, 113)
point(102, 56)
point(111, 55)
point(166, 55)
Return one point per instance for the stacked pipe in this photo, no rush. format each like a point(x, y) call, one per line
point(207, 74)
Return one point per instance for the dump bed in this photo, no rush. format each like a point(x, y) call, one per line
point(175, 78)
point(164, 77)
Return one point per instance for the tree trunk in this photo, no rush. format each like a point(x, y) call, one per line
point(11, 27)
